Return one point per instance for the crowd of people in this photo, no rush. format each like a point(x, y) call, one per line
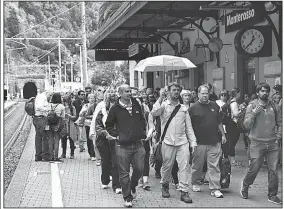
point(125, 127)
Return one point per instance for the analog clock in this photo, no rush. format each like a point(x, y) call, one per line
point(254, 41)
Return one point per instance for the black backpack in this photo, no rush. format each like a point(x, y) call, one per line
point(226, 114)
point(30, 106)
point(52, 117)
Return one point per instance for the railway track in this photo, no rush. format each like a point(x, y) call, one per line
point(14, 137)
point(8, 115)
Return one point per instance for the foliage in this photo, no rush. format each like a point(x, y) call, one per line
point(52, 19)
point(110, 74)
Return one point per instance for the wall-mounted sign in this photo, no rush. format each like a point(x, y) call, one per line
point(184, 46)
point(240, 19)
point(133, 49)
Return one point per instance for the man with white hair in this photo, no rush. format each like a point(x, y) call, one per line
point(127, 124)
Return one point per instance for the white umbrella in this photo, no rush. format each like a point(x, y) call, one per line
point(163, 63)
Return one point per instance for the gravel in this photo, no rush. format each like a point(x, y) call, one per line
point(13, 155)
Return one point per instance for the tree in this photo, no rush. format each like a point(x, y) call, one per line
point(12, 23)
point(107, 73)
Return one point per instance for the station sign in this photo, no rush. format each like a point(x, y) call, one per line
point(241, 19)
point(133, 49)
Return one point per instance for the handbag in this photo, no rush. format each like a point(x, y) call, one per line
point(158, 151)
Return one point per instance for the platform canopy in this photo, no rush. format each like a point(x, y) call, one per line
point(143, 23)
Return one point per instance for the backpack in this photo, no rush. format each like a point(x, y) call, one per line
point(30, 106)
point(225, 113)
point(52, 118)
point(225, 170)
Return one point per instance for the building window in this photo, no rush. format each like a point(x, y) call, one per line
point(135, 78)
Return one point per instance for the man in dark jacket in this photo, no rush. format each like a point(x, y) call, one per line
point(126, 122)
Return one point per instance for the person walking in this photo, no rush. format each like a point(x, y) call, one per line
point(264, 120)
point(70, 116)
point(126, 122)
point(207, 127)
point(78, 104)
point(177, 135)
point(232, 130)
point(90, 106)
point(106, 146)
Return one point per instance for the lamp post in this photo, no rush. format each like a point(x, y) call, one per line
point(81, 63)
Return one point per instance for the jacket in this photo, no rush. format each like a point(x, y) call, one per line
point(265, 126)
point(78, 104)
point(180, 129)
point(128, 128)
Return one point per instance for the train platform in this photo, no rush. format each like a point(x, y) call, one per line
point(76, 183)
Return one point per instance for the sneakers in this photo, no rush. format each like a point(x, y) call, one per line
point(128, 203)
point(104, 186)
point(165, 191)
point(146, 185)
point(134, 193)
point(72, 156)
point(93, 159)
point(118, 191)
point(62, 156)
point(216, 193)
point(275, 200)
point(177, 187)
point(185, 197)
point(195, 188)
point(110, 178)
point(98, 162)
point(244, 191)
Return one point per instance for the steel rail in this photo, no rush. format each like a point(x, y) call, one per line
point(13, 139)
point(9, 114)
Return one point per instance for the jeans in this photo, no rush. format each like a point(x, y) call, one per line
point(233, 137)
point(146, 145)
point(90, 144)
point(130, 154)
point(108, 162)
point(64, 145)
point(53, 144)
point(211, 154)
point(180, 153)
point(41, 139)
point(259, 150)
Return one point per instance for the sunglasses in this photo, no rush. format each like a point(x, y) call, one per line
point(82, 94)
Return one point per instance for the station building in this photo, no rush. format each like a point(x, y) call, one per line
point(233, 44)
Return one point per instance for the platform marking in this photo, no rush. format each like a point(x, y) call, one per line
point(56, 186)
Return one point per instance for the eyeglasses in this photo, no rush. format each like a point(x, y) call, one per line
point(82, 94)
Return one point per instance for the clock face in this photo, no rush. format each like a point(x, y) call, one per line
point(252, 41)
